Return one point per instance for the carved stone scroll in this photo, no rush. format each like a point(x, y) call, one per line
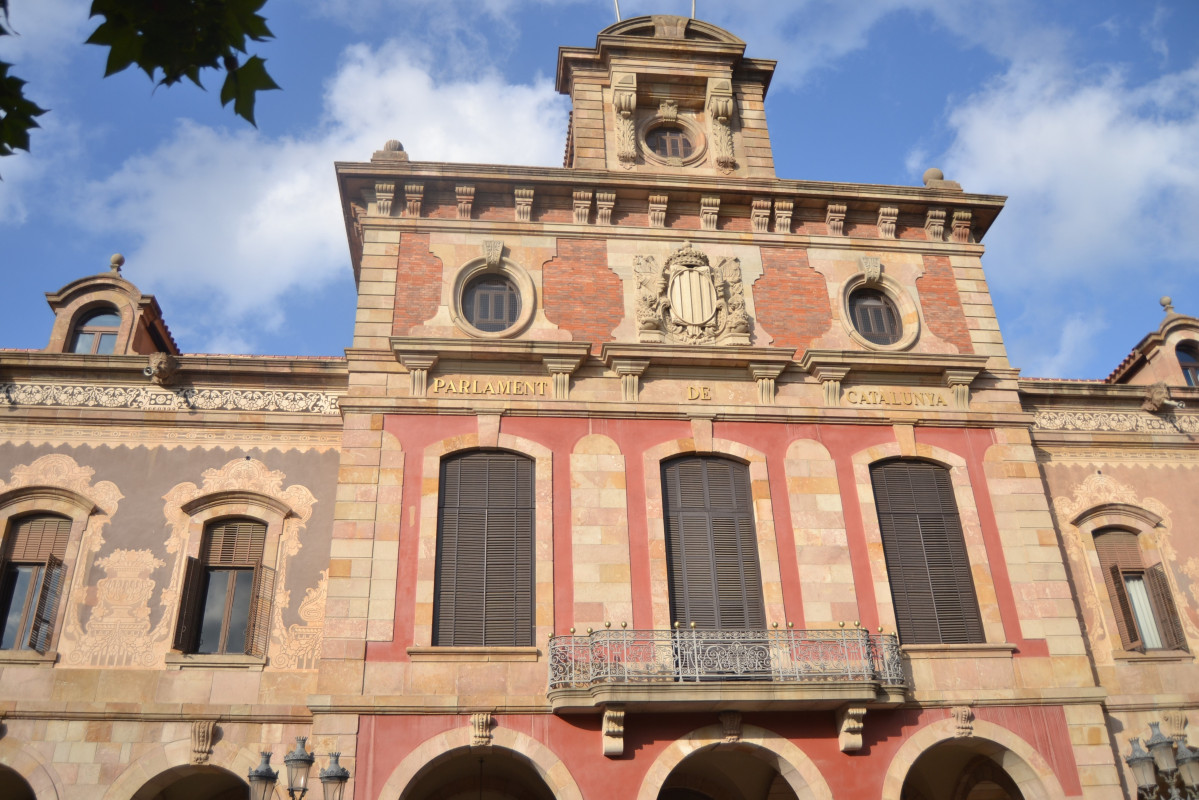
point(963, 719)
point(961, 226)
point(384, 193)
point(887, 216)
point(782, 215)
point(730, 723)
point(604, 203)
point(524, 203)
point(766, 375)
point(934, 224)
point(581, 200)
point(613, 732)
point(689, 300)
point(835, 219)
point(630, 371)
point(719, 103)
point(657, 210)
point(413, 193)
point(465, 196)
point(624, 103)
point(419, 364)
point(850, 722)
point(709, 212)
point(480, 729)
point(759, 214)
point(202, 738)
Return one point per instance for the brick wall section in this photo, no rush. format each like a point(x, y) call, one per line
point(941, 304)
point(581, 294)
point(418, 289)
point(791, 298)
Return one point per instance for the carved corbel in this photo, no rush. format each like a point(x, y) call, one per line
point(413, 193)
point(480, 729)
point(418, 365)
point(834, 217)
point(850, 722)
point(765, 375)
point(493, 252)
point(1157, 397)
point(887, 216)
point(730, 723)
point(961, 226)
point(630, 371)
point(202, 738)
point(560, 369)
point(959, 381)
point(719, 103)
point(657, 210)
point(466, 198)
point(668, 110)
point(1176, 724)
point(830, 378)
point(613, 732)
point(934, 224)
point(624, 103)
point(604, 203)
point(872, 270)
point(963, 720)
point(782, 215)
point(709, 212)
point(759, 214)
point(384, 193)
point(524, 203)
point(162, 369)
point(581, 198)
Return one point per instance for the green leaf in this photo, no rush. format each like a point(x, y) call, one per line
point(17, 113)
point(242, 86)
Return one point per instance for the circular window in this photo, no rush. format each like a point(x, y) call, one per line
point(669, 141)
point(875, 317)
point(491, 303)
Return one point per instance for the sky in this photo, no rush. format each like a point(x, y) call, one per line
point(1084, 113)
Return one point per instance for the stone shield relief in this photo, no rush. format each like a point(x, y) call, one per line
point(690, 300)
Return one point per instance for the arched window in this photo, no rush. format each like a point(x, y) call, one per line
point(484, 572)
point(31, 580)
point(1189, 363)
point(927, 565)
point(96, 332)
point(711, 545)
point(225, 606)
point(1141, 598)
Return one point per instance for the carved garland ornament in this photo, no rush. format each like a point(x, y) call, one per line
point(690, 301)
point(144, 398)
point(1119, 421)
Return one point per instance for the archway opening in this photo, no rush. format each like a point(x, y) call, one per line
point(727, 772)
point(959, 771)
point(494, 775)
point(13, 786)
point(194, 783)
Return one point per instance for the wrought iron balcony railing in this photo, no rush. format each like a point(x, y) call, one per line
point(690, 655)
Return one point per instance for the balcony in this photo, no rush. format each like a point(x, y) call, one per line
point(746, 670)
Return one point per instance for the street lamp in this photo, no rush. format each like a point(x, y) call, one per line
point(299, 764)
point(1164, 764)
point(262, 779)
point(333, 778)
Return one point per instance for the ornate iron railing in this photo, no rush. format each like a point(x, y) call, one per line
point(682, 655)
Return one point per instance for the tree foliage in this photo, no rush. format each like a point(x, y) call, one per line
point(169, 40)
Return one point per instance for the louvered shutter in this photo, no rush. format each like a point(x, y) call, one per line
point(35, 539)
point(714, 578)
point(932, 586)
point(484, 572)
point(47, 604)
point(190, 597)
point(258, 629)
point(1119, 551)
point(233, 543)
point(1164, 609)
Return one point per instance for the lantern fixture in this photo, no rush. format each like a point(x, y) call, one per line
point(262, 779)
point(1166, 770)
point(334, 778)
point(299, 764)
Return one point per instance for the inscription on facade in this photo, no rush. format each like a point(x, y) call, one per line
point(515, 387)
point(895, 398)
point(699, 392)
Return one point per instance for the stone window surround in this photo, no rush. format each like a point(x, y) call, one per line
point(510, 270)
point(909, 312)
point(699, 142)
point(67, 319)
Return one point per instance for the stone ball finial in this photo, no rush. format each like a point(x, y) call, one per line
point(1167, 304)
point(116, 262)
point(933, 174)
point(393, 146)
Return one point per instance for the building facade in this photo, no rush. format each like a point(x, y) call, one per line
point(650, 476)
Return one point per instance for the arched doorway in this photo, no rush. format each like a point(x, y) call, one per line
point(13, 786)
point(727, 772)
point(957, 771)
point(497, 774)
point(194, 783)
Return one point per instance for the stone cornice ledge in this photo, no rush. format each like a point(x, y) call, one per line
point(734, 357)
point(865, 361)
point(531, 350)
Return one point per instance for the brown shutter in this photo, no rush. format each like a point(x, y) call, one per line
point(233, 543)
point(484, 572)
point(932, 586)
point(1164, 609)
point(191, 597)
point(1120, 551)
point(35, 539)
point(47, 604)
point(258, 629)
point(714, 578)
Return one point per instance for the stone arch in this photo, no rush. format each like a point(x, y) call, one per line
point(759, 480)
point(488, 436)
point(818, 523)
point(797, 769)
point(446, 745)
point(1029, 770)
point(26, 762)
point(165, 757)
point(963, 492)
point(599, 532)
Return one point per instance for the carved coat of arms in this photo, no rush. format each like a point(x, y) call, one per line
point(689, 300)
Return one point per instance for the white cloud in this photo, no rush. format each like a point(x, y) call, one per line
point(239, 219)
point(1076, 346)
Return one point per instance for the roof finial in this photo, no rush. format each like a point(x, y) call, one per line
point(115, 263)
point(1167, 304)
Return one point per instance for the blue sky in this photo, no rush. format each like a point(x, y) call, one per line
point(1085, 114)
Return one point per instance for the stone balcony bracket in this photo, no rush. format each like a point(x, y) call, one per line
point(959, 381)
point(766, 375)
point(418, 365)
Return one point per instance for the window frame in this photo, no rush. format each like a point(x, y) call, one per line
point(45, 587)
point(80, 326)
point(1154, 619)
point(522, 284)
point(1190, 369)
point(906, 309)
point(893, 330)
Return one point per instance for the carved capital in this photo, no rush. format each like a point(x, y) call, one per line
point(560, 369)
point(934, 224)
point(524, 203)
point(709, 212)
point(202, 738)
point(604, 203)
point(782, 215)
point(384, 193)
point(959, 381)
point(887, 216)
point(657, 210)
point(759, 214)
point(480, 729)
point(413, 193)
point(630, 371)
point(830, 378)
point(766, 375)
point(581, 200)
point(963, 720)
point(834, 217)
point(850, 722)
point(613, 732)
point(730, 723)
point(466, 198)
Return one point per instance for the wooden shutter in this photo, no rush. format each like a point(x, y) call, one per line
point(35, 539)
point(191, 597)
point(932, 586)
point(1162, 599)
point(233, 543)
point(258, 627)
point(714, 578)
point(47, 604)
point(484, 571)
point(1119, 551)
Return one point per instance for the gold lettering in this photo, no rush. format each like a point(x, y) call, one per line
point(707, 394)
point(528, 388)
point(852, 397)
point(692, 392)
point(488, 388)
point(501, 387)
point(437, 384)
point(941, 401)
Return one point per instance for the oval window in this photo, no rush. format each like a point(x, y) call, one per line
point(875, 317)
point(491, 303)
point(669, 141)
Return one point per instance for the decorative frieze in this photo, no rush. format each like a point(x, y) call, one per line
point(782, 215)
point(709, 212)
point(1115, 421)
point(850, 722)
point(524, 203)
point(961, 226)
point(689, 300)
point(613, 732)
point(466, 198)
point(624, 103)
point(720, 105)
point(413, 193)
point(144, 398)
point(604, 203)
point(581, 200)
point(418, 366)
point(384, 194)
point(657, 210)
point(887, 216)
point(934, 224)
point(759, 214)
point(834, 217)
